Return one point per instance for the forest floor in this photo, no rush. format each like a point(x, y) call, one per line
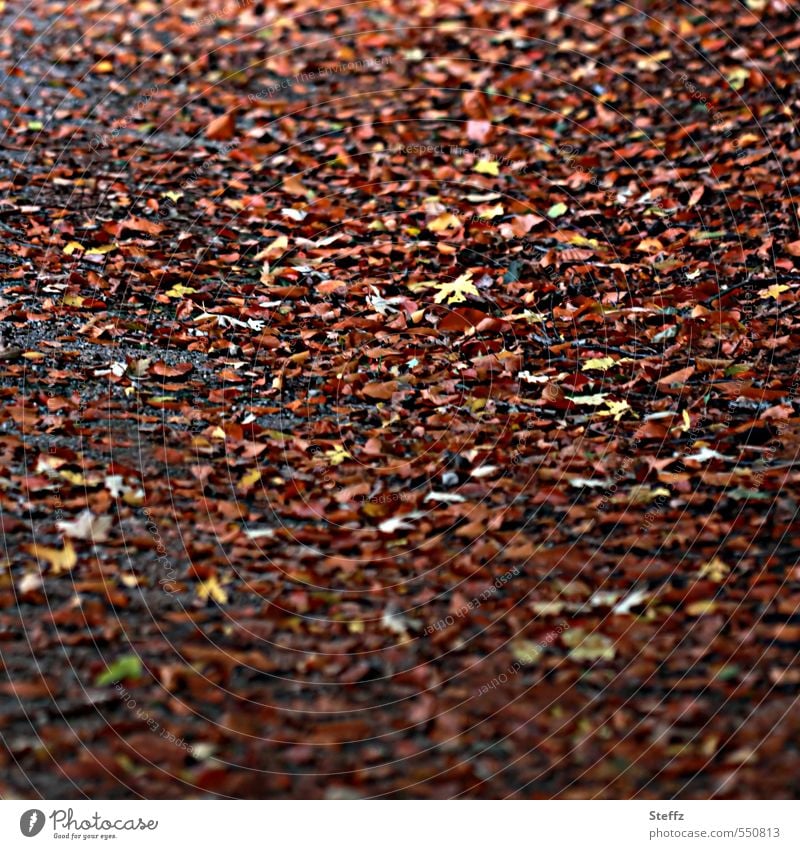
point(399, 400)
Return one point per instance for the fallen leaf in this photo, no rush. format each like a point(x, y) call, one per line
point(456, 290)
point(60, 559)
point(526, 651)
point(87, 526)
point(249, 479)
point(487, 166)
point(773, 291)
point(222, 128)
point(617, 409)
point(337, 455)
point(446, 221)
point(600, 364)
point(519, 226)
point(715, 570)
point(129, 666)
point(163, 369)
point(179, 290)
point(591, 646)
point(211, 590)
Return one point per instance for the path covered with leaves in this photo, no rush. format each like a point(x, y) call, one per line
point(399, 399)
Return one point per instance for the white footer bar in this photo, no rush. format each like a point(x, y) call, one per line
point(400, 824)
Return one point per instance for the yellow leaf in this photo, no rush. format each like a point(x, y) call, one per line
point(687, 422)
point(583, 242)
point(487, 166)
point(698, 608)
point(653, 63)
point(211, 589)
point(73, 301)
point(715, 570)
point(249, 479)
point(134, 499)
point(338, 454)
point(218, 433)
point(456, 290)
point(104, 67)
point(60, 559)
point(650, 246)
point(492, 212)
point(601, 364)
point(547, 608)
point(179, 290)
point(526, 651)
point(276, 248)
point(446, 221)
point(75, 478)
point(588, 646)
point(738, 77)
point(616, 409)
point(70, 248)
point(773, 291)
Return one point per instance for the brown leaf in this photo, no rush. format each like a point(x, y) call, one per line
point(677, 377)
point(519, 226)
point(162, 369)
point(382, 391)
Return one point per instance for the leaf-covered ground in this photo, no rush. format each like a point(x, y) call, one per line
point(399, 399)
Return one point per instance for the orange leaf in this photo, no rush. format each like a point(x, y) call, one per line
point(697, 195)
point(679, 377)
point(139, 225)
point(458, 320)
point(222, 128)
